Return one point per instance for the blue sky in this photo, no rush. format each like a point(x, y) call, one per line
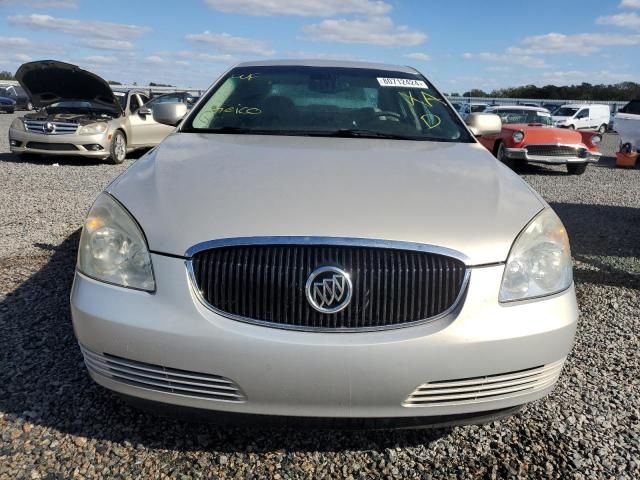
point(457, 44)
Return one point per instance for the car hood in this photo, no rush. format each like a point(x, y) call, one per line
point(545, 135)
point(199, 187)
point(50, 81)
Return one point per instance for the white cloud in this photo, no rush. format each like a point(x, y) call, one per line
point(507, 58)
point(14, 42)
point(154, 59)
point(300, 54)
point(420, 57)
point(99, 59)
point(185, 57)
point(579, 76)
point(623, 20)
point(226, 43)
point(581, 43)
point(499, 69)
point(43, 3)
point(370, 31)
point(113, 31)
point(103, 44)
point(630, 4)
point(315, 8)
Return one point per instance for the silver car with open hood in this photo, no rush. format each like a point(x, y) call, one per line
point(80, 115)
point(324, 240)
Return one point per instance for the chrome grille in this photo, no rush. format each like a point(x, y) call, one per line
point(556, 151)
point(266, 284)
point(163, 379)
point(59, 128)
point(484, 389)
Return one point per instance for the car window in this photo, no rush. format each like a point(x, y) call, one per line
point(170, 98)
point(322, 101)
point(584, 113)
point(134, 103)
point(523, 116)
point(566, 112)
point(478, 108)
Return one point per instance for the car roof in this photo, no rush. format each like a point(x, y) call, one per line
point(582, 105)
point(328, 64)
point(517, 107)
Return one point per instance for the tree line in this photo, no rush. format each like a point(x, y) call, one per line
point(585, 91)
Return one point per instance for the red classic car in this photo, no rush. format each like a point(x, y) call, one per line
point(528, 136)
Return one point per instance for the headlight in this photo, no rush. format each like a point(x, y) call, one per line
point(113, 248)
point(93, 128)
point(17, 124)
point(518, 136)
point(539, 263)
point(596, 139)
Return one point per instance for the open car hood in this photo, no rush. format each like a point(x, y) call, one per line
point(50, 81)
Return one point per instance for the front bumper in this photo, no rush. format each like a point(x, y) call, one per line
point(523, 154)
point(68, 145)
point(170, 334)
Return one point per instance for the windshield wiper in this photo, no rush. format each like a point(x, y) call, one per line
point(364, 133)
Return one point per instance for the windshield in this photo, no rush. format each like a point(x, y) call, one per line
point(320, 101)
point(478, 108)
point(523, 116)
point(565, 112)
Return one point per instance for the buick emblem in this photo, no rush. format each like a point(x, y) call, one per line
point(329, 289)
point(49, 127)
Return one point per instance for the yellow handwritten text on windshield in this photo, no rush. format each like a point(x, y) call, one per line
point(430, 119)
point(246, 76)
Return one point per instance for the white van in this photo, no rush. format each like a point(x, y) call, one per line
point(627, 124)
point(581, 116)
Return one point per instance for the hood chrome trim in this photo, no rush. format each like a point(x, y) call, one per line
point(329, 241)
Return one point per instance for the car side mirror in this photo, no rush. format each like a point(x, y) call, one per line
point(144, 111)
point(169, 113)
point(484, 124)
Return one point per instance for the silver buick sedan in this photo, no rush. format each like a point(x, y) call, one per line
point(324, 241)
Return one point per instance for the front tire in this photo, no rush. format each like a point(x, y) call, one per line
point(576, 168)
point(602, 129)
point(29, 106)
point(572, 127)
point(118, 147)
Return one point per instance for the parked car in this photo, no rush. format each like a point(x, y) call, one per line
point(7, 104)
point(456, 105)
point(467, 109)
point(17, 94)
point(627, 124)
point(183, 97)
point(81, 116)
point(528, 136)
point(552, 107)
point(329, 241)
point(583, 116)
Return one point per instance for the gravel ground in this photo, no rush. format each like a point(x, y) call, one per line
point(56, 423)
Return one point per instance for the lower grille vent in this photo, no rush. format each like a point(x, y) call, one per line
point(163, 379)
point(484, 389)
